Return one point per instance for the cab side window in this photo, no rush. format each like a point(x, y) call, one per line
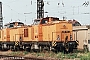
point(44, 21)
point(58, 37)
point(25, 32)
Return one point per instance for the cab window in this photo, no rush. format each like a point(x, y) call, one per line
point(44, 21)
point(25, 32)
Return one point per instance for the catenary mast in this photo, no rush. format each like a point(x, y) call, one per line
point(40, 9)
point(1, 18)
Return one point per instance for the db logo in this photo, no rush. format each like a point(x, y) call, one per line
point(64, 26)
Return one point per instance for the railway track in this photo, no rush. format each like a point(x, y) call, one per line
point(5, 57)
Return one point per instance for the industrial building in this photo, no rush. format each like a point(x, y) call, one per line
point(82, 34)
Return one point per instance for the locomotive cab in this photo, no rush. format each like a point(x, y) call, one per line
point(36, 22)
point(48, 20)
point(13, 24)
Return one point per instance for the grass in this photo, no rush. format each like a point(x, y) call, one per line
point(85, 57)
point(18, 53)
point(25, 52)
point(67, 56)
point(45, 54)
point(59, 55)
point(62, 56)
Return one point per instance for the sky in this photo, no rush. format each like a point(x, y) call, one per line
point(24, 11)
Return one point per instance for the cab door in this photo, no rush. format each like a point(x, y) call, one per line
point(40, 33)
point(8, 34)
point(65, 36)
point(19, 37)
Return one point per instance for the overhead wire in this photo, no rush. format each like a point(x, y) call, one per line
point(45, 1)
point(12, 2)
point(48, 2)
point(73, 7)
point(51, 8)
point(14, 10)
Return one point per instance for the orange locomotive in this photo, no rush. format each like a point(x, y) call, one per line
point(46, 33)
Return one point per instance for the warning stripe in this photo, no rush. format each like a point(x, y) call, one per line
point(54, 44)
point(77, 42)
point(16, 43)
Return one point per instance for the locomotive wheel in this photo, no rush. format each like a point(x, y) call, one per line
point(44, 48)
point(65, 51)
point(4, 47)
point(40, 48)
point(14, 48)
point(17, 48)
point(70, 50)
point(0, 47)
point(27, 48)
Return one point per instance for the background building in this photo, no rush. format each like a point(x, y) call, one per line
point(82, 34)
